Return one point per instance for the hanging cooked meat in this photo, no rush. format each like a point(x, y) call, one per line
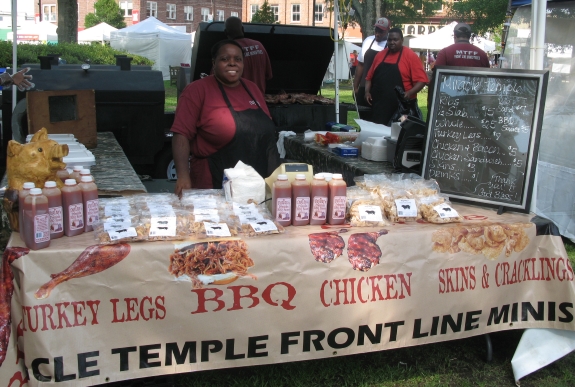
point(363, 251)
point(326, 246)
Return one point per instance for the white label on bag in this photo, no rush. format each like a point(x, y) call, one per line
point(206, 217)
point(445, 211)
point(406, 208)
point(217, 229)
point(249, 217)
point(205, 211)
point(265, 225)
point(116, 210)
point(163, 226)
point(244, 207)
point(123, 233)
point(113, 226)
point(370, 213)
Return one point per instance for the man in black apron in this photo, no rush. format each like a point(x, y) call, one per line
point(378, 43)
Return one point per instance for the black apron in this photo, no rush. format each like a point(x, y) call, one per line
point(384, 99)
point(254, 143)
point(367, 62)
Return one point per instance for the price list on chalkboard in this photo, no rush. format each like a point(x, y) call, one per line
point(484, 134)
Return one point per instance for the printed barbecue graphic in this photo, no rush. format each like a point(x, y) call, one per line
point(489, 239)
point(371, 212)
point(446, 209)
point(6, 291)
point(216, 263)
point(93, 260)
point(326, 246)
point(363, 251)
point(406, 206)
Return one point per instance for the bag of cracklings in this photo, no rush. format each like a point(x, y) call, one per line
point(438, 209)
point(365, 209)
point(256, 220)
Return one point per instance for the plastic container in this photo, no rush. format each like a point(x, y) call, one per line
point(90, 199)
point(301, 193)
point(73, 208)
point(36, 220)
point(319, 197)
point(76, 173)
point(337, 199)
point(54, 195)
point(281, 200)
point(85, 172)
point(25, 191)
point(63, 174)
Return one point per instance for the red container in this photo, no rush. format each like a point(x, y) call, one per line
point(54, 195)
point(36, 220)
point(281, 200)
point(25, 191)
point(73, 208)
point(318, 200)
point(300, 201)
point(90, 199)
point(337, 199)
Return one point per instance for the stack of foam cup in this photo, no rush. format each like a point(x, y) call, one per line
point(374, 148)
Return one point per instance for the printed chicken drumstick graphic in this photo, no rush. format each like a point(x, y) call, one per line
point(94, 259)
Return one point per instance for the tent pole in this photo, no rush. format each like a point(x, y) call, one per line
point(14, 48)
point(336, 57)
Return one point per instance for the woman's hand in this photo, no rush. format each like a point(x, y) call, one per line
point(182, 183)
point(181, 153)
point(368, 97)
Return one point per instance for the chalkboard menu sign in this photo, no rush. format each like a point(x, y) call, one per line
point(484, 130)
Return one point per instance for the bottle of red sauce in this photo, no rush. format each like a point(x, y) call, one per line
point(73, 208)
point(318, 200)
point(54, 195)
point(337, 199)
point(281, 200)
point(76, 173)
point(300, 200)
point(36, 220)
point(90, 198)
point(63, 174)
point(85, 172)
point(25, 191)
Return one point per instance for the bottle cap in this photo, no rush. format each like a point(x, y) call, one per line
point(337, 176)
point(49, 184)
point(78, 168)
point(86, 179)
point(300, 176)
point(319, 176)
point(282, 177)
point(70, 182)
point(35, 191)
point(85, 171)
point(28, 185)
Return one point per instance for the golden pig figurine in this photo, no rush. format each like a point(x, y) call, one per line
point(37, 162)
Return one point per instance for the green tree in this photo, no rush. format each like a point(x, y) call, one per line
point(107, 11)
point(485, 15)
point(264, 15)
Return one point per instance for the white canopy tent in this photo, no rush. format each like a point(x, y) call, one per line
point(443, 37)
point(344, 48)
point(98, 33)
point(157, 41)
point(45, 31)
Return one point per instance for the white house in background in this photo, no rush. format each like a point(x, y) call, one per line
point(25, 11)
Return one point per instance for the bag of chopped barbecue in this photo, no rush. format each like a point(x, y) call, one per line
point(167, 223)
point(402, 207)
point(256, 220)
point(224, 224)
point(120, 208)
point(365, 209)
point(119, 230)
point(438, 209)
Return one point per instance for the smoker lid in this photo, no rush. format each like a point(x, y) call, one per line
point(299, 55)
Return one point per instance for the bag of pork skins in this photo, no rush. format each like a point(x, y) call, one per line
point(243, 184)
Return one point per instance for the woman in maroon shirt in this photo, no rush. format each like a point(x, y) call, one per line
point(221, 119)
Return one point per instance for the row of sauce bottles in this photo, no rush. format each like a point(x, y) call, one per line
point(299, 203)
point(50, 213)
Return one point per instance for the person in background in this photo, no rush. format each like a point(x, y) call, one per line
point(369, 48)
point(394, 66)
point(257, 65)
point(460, 53)
point(19, 79)
point(353, 62)
point(221, 119)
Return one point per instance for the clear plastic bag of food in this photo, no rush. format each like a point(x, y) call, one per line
point(110, 232)
point(168, 225)
point(117, 208)
point(222, 224)
point(256, 220)
point(146, 201)
point(193, 199)
point(365, 209)
point(401, 207)
point(438, 209)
